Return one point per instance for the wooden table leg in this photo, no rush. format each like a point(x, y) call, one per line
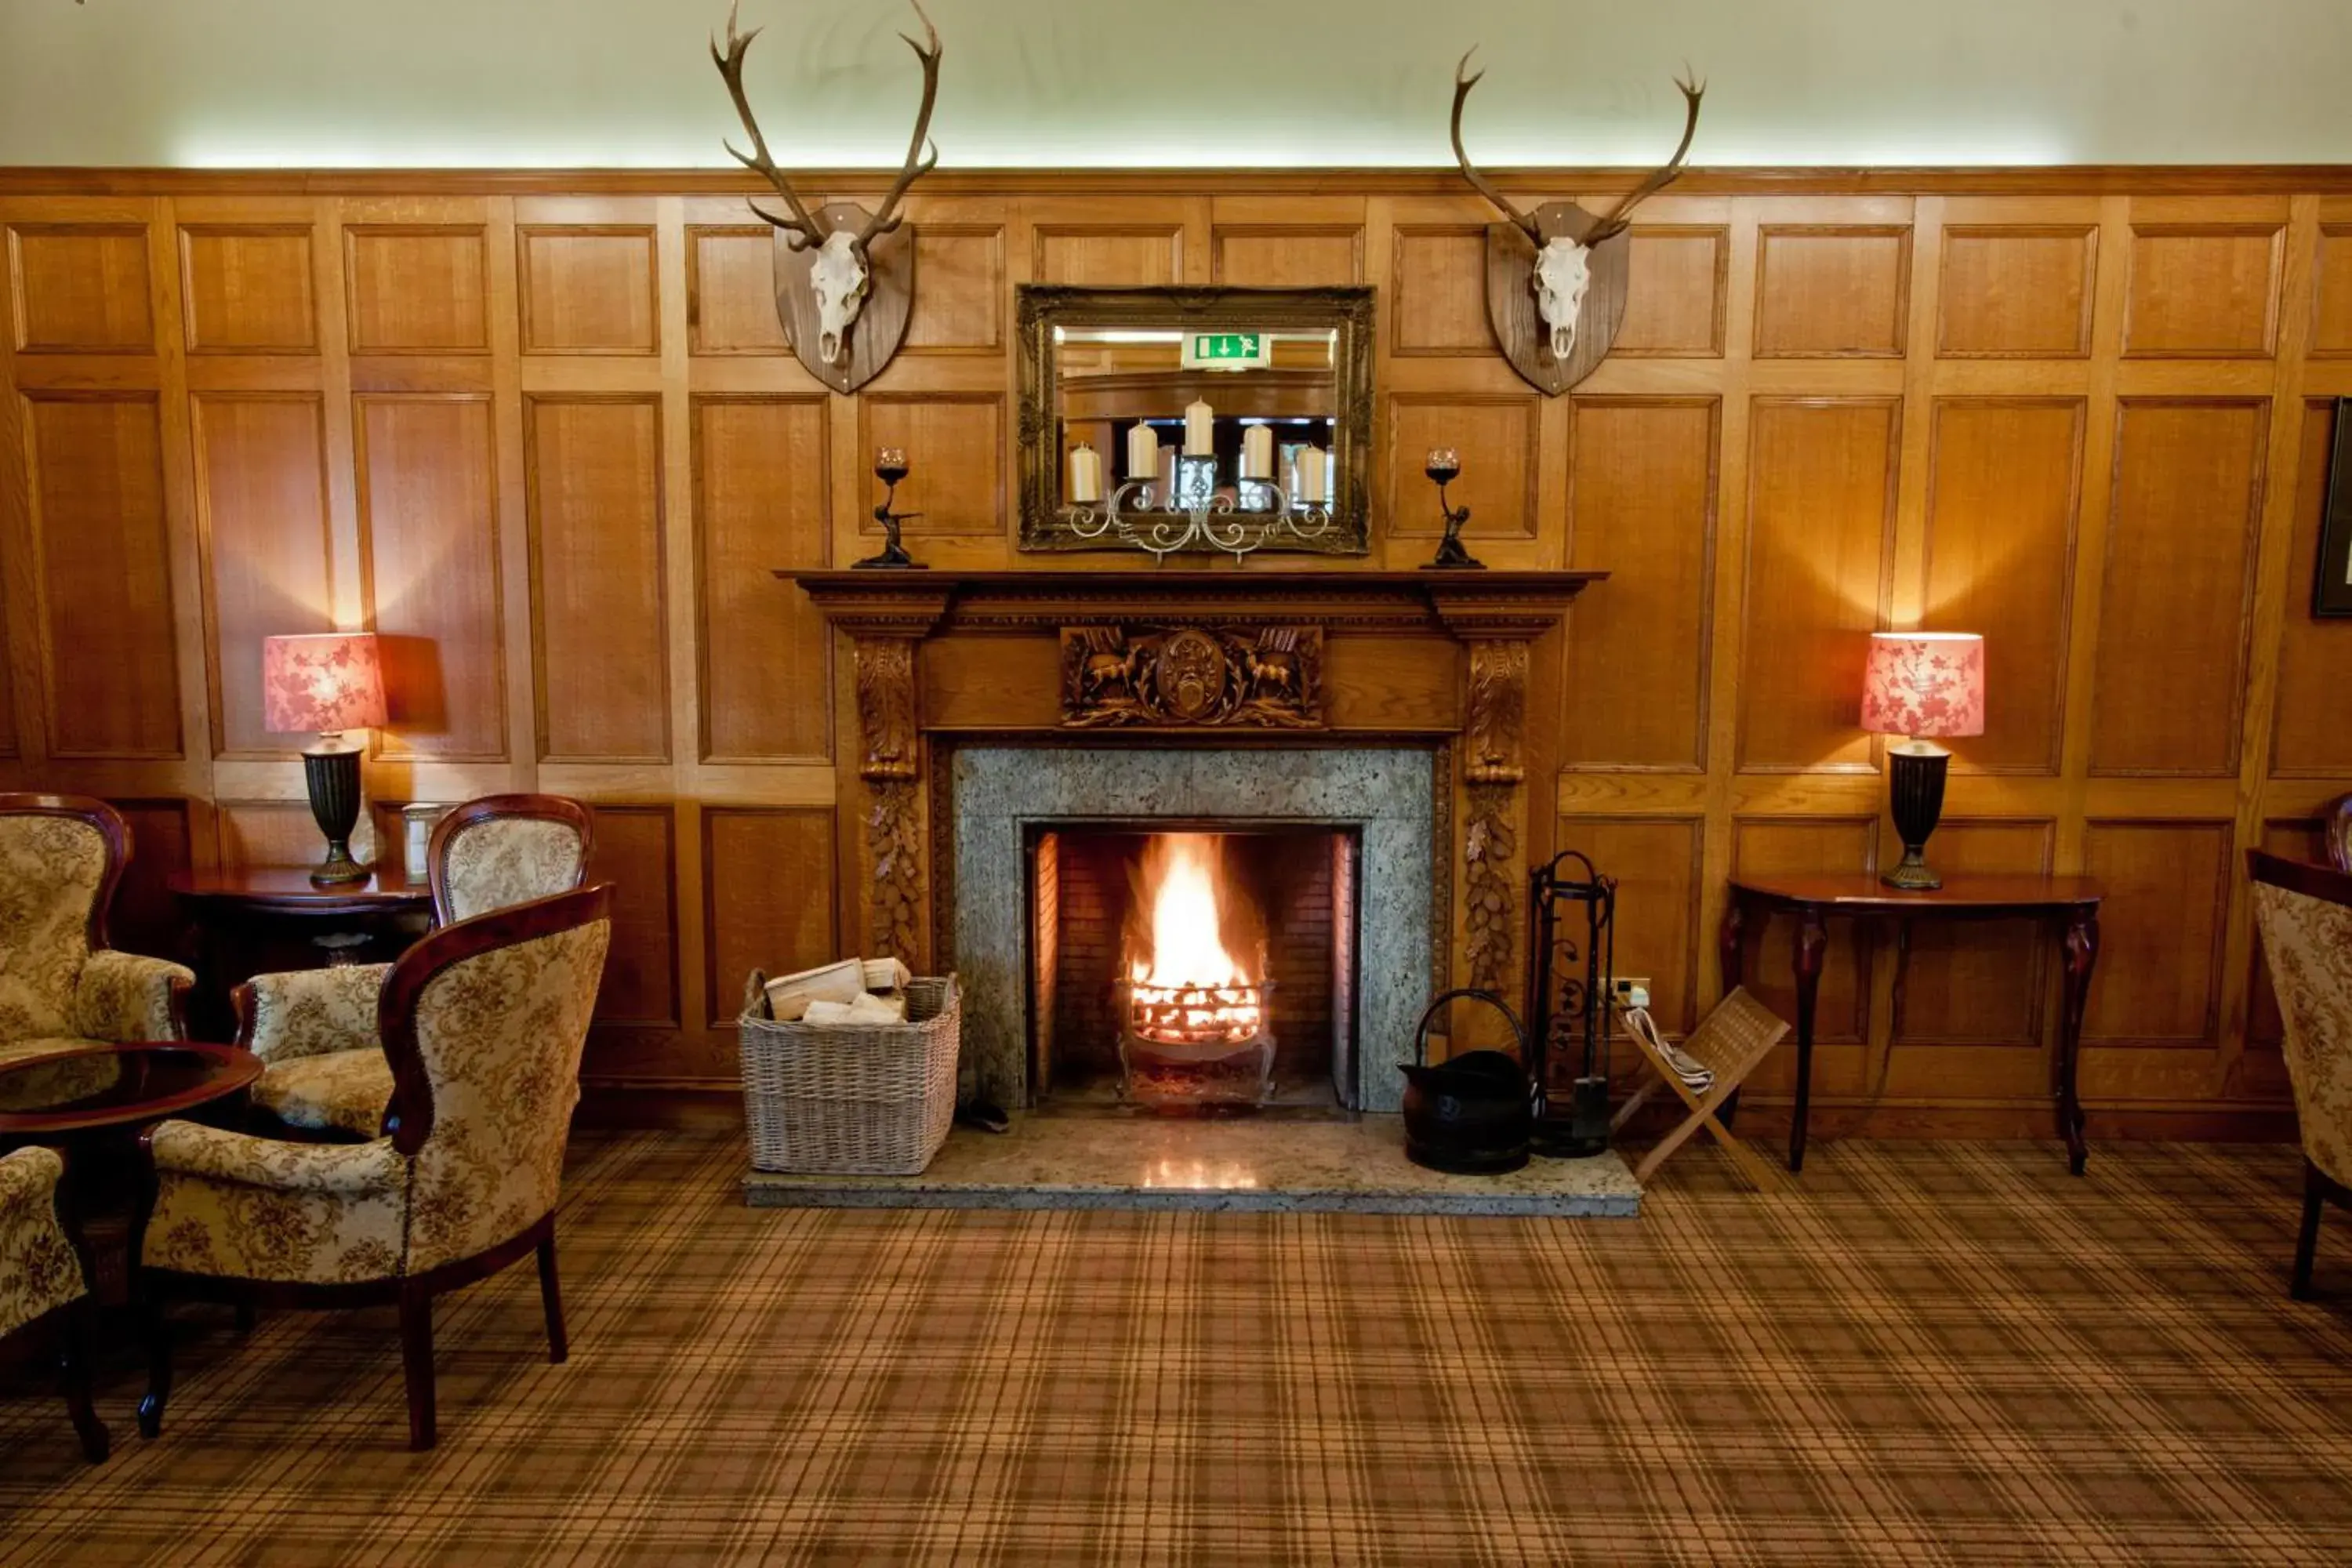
point(2082, 957)
point(1813, 940)
point(1731, 956)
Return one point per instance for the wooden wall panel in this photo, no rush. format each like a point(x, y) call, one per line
point(80, 287)
point(261, 517)
point(110, 659)
point(494, 419)
point(1496, 433)
point(1830, 291)
point(1107, 255)
point(1764, 846)
point(2159, 930)
point(959, 290)
point(1276, 256)
point(589, 289)
point(1821, 519)
point(1657, 864)
point(760, 502)
point(635, 850)
point(279, 833)
point(2180, 586)
point(2004, 485)
point(428, 515)
point(247, 288)
point(2202, 292)
point(768, 881)
point(599, 634)
point(730, 301)
point(2016, 292)
point(956, 444)
point(1643, 508)
point(416, 289)
point(1675, 299)
point(2331, 316)
point(2309, 736)
point(1984, 983)
point(1439, 291)
point(146, 917)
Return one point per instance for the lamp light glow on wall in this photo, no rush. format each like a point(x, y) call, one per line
point(1921, 686)
point(325, 682)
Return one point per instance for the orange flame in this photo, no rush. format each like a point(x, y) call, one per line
point(1188, 988)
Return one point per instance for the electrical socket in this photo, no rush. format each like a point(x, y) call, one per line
point(1630, 990)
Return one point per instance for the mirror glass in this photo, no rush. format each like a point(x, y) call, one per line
point(1126, 391)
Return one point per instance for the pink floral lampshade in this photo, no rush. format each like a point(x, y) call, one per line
point(322, 681)
point(1923, 683)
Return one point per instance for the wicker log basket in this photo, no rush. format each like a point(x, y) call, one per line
point(872, 1100)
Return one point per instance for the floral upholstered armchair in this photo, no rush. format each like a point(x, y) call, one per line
point(483, 1022)
point(317, 1028)
point(41, 1277)
point(61, 987)
point(2304, 912)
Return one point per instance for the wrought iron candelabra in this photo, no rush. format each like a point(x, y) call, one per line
point(1199, 514)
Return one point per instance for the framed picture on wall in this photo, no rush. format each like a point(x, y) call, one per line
point(2331, 589)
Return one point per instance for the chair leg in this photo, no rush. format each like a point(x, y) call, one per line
point(2307, 1246)
point(551, 1296)
point(73, 1370)
point(159, 1359)
point(416, 1362)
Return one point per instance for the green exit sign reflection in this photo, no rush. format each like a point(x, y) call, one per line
point(1227, 351)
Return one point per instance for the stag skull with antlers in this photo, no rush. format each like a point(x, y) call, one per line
point(1563, 267)
point(842, 268)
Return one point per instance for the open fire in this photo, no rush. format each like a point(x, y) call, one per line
point(1195, 1027)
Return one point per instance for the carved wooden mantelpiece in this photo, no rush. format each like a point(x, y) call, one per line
point(1205, 659)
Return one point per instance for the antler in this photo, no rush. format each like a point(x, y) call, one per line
point(1621, 217)
point(1480, 183)
point(804, 224)
point(886, 218)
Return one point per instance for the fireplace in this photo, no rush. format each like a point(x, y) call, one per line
point(1193, 967)
point(1338, 851)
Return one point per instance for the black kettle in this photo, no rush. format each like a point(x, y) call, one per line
point(1474, 1114)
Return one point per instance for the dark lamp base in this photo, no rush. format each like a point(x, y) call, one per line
point(1915, 781)
point(333, 777)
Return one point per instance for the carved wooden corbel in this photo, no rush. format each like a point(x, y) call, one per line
point(1495, 765)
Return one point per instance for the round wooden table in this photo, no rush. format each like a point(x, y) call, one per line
point(93, 1103)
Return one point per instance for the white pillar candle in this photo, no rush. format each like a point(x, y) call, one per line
point(1257, 452)
point(1200, 429)
point(1085, 476)
point(1143, 453)
point(1314, 475)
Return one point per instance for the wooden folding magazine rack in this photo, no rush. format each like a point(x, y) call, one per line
point(1728, 1043)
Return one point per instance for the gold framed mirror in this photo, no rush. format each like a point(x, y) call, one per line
point(1125, 391)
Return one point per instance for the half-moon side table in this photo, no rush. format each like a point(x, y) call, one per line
point(2068, 904)
point(242, 920)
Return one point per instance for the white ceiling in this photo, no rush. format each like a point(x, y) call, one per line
point(627, 83)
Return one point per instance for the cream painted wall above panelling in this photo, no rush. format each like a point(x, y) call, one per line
point(626, 83)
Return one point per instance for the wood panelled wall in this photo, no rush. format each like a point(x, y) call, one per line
point(552, 445)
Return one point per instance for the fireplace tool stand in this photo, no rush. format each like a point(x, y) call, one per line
point(1575, 918)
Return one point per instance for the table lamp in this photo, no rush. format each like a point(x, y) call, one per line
point(327, 682)
point(1920, 685)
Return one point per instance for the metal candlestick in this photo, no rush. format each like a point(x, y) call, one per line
point(1198, 514)
point(891, 467)
point(1443, 467)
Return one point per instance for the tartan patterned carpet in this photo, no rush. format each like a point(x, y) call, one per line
point(1938, 1354)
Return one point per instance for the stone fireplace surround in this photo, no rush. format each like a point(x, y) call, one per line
point(1389, 794)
